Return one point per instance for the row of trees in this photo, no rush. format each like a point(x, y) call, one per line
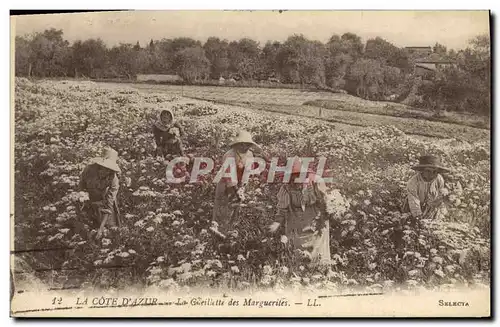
point(297, 60)
point(372, 70)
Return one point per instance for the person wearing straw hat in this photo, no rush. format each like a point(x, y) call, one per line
point(424, 189)
point(302, 214)
point(167, 134)
point(100, 180)
point(230, 191)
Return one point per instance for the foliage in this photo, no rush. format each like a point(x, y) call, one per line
point(372, 79)
point(244, 58)
point(301, 61)
point(464, 87)
point(191, 64)
point(166, 239)
point(377, 70)
point(89, 58)
point(217, 53)
point(380, 49)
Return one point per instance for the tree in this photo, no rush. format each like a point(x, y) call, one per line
point(163, 53)
point(42, 54)
point(191, 64)
point(342, 51)
point(244, 58)
point(366, 76)
point(393, 79)
point(144, 61)
point(348, 43)
point(466, 86)
point(89, 58)
point(386, 52)
point(379, 49)
point(302, 61)
point(216, 52)
point(182, 43)
point(452, 55)
point(476, 58)
point(439, 49)
point(124, 60)
point(269, 59)
point(22, 56)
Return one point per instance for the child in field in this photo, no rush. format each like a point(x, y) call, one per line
point(167, 134)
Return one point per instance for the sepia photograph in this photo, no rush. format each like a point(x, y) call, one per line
point(272, 163)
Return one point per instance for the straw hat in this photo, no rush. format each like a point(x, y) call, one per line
point(430, 162)
point(243, 137)
point(108, 160)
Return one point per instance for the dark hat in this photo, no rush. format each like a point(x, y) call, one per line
point(430, 162)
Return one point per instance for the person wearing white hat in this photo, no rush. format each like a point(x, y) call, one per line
point(228, 190)
point(100, 180)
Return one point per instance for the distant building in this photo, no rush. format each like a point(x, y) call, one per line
point(429, 67)
point(418, 51)
point(425, 62)
point(158, 78)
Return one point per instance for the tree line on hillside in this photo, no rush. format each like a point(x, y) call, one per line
point(374, 70)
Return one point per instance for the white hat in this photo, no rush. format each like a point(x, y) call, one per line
point(159, 122)
point(243, 137)
point(108, 160)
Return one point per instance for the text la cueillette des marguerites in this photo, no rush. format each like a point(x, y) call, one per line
point(179, 301)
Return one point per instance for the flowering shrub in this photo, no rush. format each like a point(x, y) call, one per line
point(203, 110)
point(167, 239)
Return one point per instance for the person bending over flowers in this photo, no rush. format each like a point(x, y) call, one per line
point(425, 189)
point(100, 180)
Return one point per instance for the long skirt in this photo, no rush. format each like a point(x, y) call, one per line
point(223, 213)
point(302, 236)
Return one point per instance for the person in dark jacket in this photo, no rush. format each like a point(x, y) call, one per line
point(168, 134)
point(100, 180)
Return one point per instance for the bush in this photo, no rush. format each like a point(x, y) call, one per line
point(166, 240)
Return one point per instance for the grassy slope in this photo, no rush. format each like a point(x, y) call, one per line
point(327, 100)
point(399, 110)
point(290, 101)
point(407, 125)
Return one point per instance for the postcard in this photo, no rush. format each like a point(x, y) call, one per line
point(251, 164)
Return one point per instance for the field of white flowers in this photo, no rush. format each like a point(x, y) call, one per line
point(165, 240)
